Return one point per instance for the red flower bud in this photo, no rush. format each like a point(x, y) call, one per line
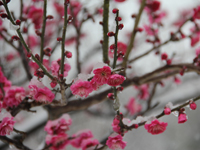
point(193, 105)
point(18, 22)
point(111, 96)
point(68, 54)
point(111, 34)
point(49, 17)
point(120, 26)
point(37, 57)
point(15, 38)
point(112, 46)
point(28, 55)
point(118, 18)
point(4, 15)
point(59, 39)
point(115, 10)
point(164, 56)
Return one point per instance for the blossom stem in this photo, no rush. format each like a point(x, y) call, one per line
point(105, 30)
point(116, 39)
point(156, 47)
point(43, 31)
point(63, 39)
point(24, 43)
point(130, 46)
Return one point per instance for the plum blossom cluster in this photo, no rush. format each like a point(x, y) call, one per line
point(6, 125)
point(10, 96)
point(56, 129)
point(58, 139)
point(39, 92)
point(101, 76)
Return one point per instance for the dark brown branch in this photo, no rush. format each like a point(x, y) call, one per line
point(17, 144)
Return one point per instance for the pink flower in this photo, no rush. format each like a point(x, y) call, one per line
point(81, 88)
point(150, 31)
point(177, 80)
point(153, 6)
point(164, 56)
point(88, 143)
point(156, 127)
point(157, 18)
point(197, 50)
point(59, 8)
point(14, 96)
point(120, 1)
point(76, 7)
point(32, 40)
point(35, 14)
point(133, 107)
point(57, 142)
point(101, 75)
point(121, 49)
point(44, 95)
point(115, 125)
point(115, 142)
point(115, 80)
point(144, 93)
point(94, 84)
point(39, 92)
point(67, 68)
point(34, 66)
point(195, 38)
point(196, 14)
point(55, 68)
point(59, 125)
point(182, 118)
point(6, 126)
point(193, 105)
point(79, 137)
point(167, 111)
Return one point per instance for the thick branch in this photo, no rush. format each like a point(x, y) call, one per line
point(17, 144)
point(105, 30)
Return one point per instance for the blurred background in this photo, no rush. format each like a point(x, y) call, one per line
point(98, 118)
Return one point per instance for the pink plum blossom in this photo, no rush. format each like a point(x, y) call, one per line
point(167, 111)
point(156, 127)
point(120, 1)
point(115, 142)
point(59, 8)
point(39, 92)
point(144, 92)
point(197, 51)
point(35, 14)
point(115, 80)
point(14, 96)
point(150, 31)
point(79, 137)
point(196, 14)
point(58, 141)
point(81, 88)
point(115, 125)
point(182, 118)
point(101, 75)
point(6, 126)
point(59, 125)
point(34, 66)
point(121, 49)
point(88, 143)
point(55, 68)
point(193, 105)
point(133, 107)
